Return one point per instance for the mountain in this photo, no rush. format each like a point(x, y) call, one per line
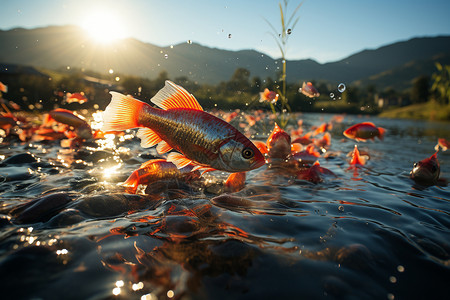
point(61, 46)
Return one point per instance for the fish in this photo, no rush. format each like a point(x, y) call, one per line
point(278, 143)
point(235, 182)
point(3, 87)
point(82, 128)
point(314, 174)
point(199, 138)
point(364, 131)
point(269, 96)
point(156, 170)
point(324, 142)
point(426, 171)
point(304, 140)
point(305, 157)
point(309, 90)
point(443, 143)
point(75, 97)
point(356, 158)
point(322, 128)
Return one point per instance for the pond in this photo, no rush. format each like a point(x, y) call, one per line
point(366, 233)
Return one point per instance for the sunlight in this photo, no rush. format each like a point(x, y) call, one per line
point(104, 26)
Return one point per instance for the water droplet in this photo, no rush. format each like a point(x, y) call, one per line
point(299, 90)
point(171, 46)
point(166, 56)
point(229, 35)
point(341, 208)
point(289, 31)
point(400, 268)
point(283, 61)
point(341, 87)
point(393, 279)
point(331, 95)
point(189, 42)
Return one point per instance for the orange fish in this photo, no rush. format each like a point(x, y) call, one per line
point(427, 170)
point(200, 138)
point(75, 97)
point(158, 169)
point(309, 90)
point(82, 128)
point(278, 143)
point(324, 142)
point(269, 96)
point(3, 87)
point(443, 143)
point(314, 174)
point(307, 156)
point(304, 140)
point(356, 158)
point(235, 182)
point(364, 131)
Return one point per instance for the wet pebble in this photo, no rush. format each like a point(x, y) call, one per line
point(40, 209)
point(110, 205)
point(22, 158)
point(66, 217)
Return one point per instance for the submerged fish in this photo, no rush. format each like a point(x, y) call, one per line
point(364, 131)
point(202, 139)
point(315, 173)
point(427, 170)
point(269, 96)
point(82, 128)
point(75, 97)
point(356, 158)
point(278, 143)
point(309, 90)
point(158, 169)
point(235, 182)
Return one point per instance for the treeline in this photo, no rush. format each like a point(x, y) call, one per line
point(240, 91)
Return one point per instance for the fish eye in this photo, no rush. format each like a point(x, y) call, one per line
point(247, 153)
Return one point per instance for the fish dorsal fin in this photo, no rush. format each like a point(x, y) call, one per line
point(151, 161)
point(174, 96)
point(163, 147)
point(148, 137)
point(178, 159)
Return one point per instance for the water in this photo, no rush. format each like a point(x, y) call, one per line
point(369, 233)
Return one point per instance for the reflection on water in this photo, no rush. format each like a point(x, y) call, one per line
point(69, 229)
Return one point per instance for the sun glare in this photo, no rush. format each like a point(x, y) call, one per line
point(104, 27)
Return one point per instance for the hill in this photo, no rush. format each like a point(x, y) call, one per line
point(61, 46)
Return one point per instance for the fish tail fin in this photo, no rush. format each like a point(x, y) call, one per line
point(381, 132)
point(132, 182)
point(122, 113)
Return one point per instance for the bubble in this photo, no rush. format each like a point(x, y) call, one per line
point(229, 35)
point(400, 268)
point(341, 87)
point(289, 31)
point(341, 208)
point(331, 95)
point(189, 42)
point(299, 90)
point(166, 56)
point(111, 71)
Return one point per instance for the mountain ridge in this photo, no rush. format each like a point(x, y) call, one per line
point(68, 46)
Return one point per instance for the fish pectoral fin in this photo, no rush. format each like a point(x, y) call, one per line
point(163, 147)
point(178, 159)
point(148, 137)
point(174, 96)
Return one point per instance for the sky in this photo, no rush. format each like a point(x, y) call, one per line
point(327, 30)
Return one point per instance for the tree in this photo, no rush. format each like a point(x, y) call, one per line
point(240, 80)
point(441, 84)
point(420, 89)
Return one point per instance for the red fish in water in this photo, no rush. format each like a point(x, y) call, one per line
point(427, 170)
point(3, 87)
point(158, 169)
point(356, 158)
point(443, 143)
point(315, 173)
point(235, 182)
point(364, 131)
point(278, 143)
point(306, 157)
point(324, 142)
point(322, 128)
point(269, 96)
point(202, 139)
point(82, 128)
point(304, 140)
point(309, 90)
point(75, 97)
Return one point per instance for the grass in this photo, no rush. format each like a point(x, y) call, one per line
point(430, 110)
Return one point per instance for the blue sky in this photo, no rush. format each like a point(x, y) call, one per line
point(327, 30)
